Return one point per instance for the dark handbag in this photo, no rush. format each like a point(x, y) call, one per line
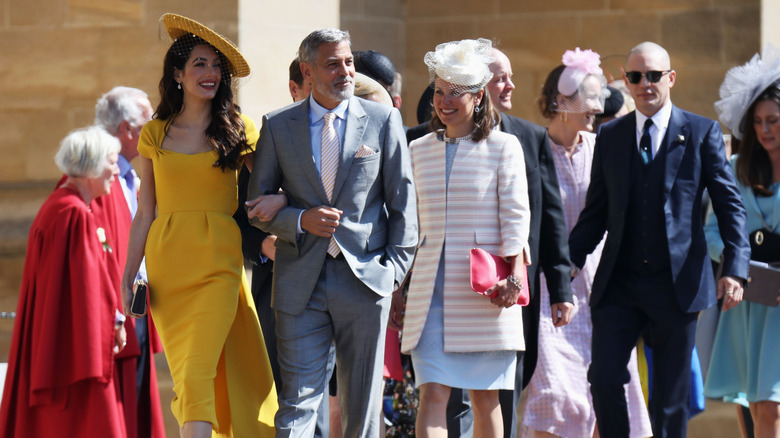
point(488, 269)
point(763, 284)
point(765, 246)
point(138, 306)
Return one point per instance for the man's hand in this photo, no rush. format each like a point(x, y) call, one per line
point(397, 305)
point(321, 221)
point(561, 313)
point(265, 207)
point(732, 289)
point(268, 247)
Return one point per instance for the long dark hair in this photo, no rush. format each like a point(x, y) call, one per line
point(754, 168)
point(225, 133)
point(486, 118)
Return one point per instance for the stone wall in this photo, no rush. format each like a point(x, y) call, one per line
point(704, 39)
point(60, 56)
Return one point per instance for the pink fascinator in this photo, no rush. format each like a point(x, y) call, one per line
point(579, 64)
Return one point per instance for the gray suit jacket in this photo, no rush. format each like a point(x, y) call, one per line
point(378, 229)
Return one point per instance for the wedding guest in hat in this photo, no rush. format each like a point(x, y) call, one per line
point(467, 163)
point(745, 364)
point(62, 375)
point(190, 155)
point(558, 395)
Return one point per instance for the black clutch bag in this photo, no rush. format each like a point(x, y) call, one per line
point(765, 246)
point(138, 306)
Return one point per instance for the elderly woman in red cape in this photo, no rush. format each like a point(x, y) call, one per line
point(69, 325)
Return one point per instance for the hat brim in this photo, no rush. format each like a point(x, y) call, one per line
point(365, 86)
point(178, 26)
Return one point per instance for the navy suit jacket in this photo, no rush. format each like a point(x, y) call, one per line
point(694, 161)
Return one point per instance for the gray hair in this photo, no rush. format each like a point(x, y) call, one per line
point(119, 105)
point(84, 152)
point(307, 52)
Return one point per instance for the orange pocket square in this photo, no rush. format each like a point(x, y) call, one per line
point(364, 151)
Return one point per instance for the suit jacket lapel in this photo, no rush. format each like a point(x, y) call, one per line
point(357, 119)
point(623, 156)
point(675, 141)
point(298, 126)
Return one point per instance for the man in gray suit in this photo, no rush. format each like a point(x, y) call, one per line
point(344, 242)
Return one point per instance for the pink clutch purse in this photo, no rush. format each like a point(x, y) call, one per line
point(487, 269)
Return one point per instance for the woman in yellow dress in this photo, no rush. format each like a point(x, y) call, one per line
point(199, 297)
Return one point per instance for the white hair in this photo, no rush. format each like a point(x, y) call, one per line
point(84, 152)
point(119, 105)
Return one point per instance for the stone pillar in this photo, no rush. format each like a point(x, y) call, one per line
point(269, 34)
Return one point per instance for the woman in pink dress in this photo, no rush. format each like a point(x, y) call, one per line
point(559, 401)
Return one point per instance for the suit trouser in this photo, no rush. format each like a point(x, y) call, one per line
point(633, 303)
point(341, 310)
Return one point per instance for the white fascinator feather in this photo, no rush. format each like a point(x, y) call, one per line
point(743, 84)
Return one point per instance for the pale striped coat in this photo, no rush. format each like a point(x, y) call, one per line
point(485, 206)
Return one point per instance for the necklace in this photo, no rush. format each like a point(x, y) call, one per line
point(457, 139)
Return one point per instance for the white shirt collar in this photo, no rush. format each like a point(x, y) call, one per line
point(660, 118)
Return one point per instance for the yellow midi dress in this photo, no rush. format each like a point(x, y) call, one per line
point(200, 299)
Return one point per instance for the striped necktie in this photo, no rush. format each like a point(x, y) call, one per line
point(329, 165)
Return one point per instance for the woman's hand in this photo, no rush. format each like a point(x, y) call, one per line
point(397, 307)
point(503, 294)
point(127, 298)
point(265, 207)
point(120, 338)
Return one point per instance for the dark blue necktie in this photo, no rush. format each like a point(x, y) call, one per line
point(646, 143)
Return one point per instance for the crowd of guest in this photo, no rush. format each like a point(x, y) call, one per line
point(359, 230)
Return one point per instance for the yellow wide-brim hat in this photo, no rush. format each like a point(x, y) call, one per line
point(178, 26)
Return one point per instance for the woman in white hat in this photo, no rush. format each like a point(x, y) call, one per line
point(190, 154)
point(745, 364)
point(471, 192)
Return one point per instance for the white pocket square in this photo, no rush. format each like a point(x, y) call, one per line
point(364, 151)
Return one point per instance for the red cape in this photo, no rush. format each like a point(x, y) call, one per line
point(61, 365)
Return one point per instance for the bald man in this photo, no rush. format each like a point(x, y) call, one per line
point(650, 169)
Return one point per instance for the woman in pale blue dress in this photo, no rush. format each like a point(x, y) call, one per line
point(745, 365)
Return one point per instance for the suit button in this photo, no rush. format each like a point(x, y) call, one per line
point(644, 261)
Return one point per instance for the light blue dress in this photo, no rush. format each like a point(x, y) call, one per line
point(479, 370)
point(745, 365)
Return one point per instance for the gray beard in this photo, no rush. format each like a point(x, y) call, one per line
point(342, 95)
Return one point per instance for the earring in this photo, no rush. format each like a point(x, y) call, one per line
point(179, 86)
point(476, 109)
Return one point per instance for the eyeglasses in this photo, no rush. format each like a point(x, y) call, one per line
point(652, 76)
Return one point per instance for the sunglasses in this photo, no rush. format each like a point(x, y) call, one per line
point(652, 76)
